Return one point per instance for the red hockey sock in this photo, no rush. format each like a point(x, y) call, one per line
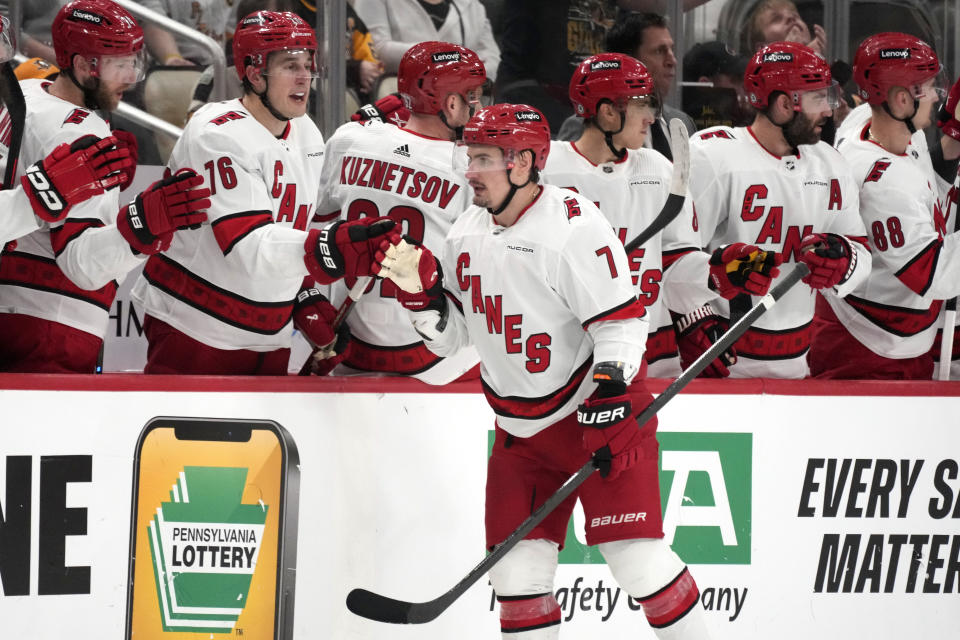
point(531, 613)
point(666, 606)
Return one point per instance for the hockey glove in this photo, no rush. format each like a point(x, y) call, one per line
point(416, 273)
point(830, 257)
point(389, 109)
point(313, 316)
point(696, 332)
point(176, 202)
point(742, 268)
point(608, 423)
point(947, 114)
point(128, 141)
point(350, 249)
point(72, 173)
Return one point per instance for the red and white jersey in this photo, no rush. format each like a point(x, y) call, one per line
point(231, 284)
point(744, 193)
point(916, 264)
point(630, 194)
point(65, 271)
point(379, 169)
point(18, 218)
point(542, 301)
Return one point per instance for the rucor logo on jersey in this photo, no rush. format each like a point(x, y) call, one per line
point(887, 54)
point(446, 56)
point(227, 117)
point(76, 116)
point(601, 65)
point(778, 56)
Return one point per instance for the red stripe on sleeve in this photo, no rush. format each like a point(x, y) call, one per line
point(231, 229)
point(61, 236)
point(918, 273)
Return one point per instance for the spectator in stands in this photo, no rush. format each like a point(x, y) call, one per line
point(214, 18)
point(398, 24)
point(37, 15)
point(721, 100)
point(779, 20)
point(646, 37)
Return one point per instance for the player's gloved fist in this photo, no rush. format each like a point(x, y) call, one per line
point(947, 114)
point(830, 257)
point(743, 268)
point(608, 424)
point(176, 202)
point(73, 173)
point(417, 274)
point(314, 316)
point(698, 331)
point(349, 249)
point(389, 108)
point(128, 141)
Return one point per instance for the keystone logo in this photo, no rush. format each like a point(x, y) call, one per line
point(204, 544)
point(86, 15)
point(600, 65)
point(446, 56)
point(528, 116)
point(778, 56)
point(887, 54)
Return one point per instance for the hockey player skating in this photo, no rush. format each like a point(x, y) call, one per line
point(224, 299)
point(537, 281)
point(776, 186)
point(59, 282)
point(408, 174)
point(885, 327)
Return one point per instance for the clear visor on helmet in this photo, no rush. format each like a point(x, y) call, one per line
point(122, 69)
point(6, 46)
point(472, 98)
point(648, 104)
point(469, 159)
point(932, 90)
point(293, 64)
point(820, 100)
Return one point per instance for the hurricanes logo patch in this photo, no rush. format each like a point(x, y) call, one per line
point(76, 116)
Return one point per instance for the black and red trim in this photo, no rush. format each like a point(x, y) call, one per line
point(265, 318)
point(918, 273)
point(408, 360)
point(661, 344)
point(774, 344)
point(900, 321)
point(231, 229)
point(669, 604)
point(667, 258)
point(44, 274)
point(632, 308)
point(528, 613)
point(325, 217)
point(61, 236)
point(536, 408)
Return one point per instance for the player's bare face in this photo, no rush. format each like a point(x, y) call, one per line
point(927, 95)
point(487, 175)
point(467, 104)
point(290, 74)
point(639, 114)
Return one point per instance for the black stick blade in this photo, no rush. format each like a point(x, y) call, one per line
point(373, 606)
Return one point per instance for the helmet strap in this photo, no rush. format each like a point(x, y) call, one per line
point(457, 131)
point(510, 194)
point(908, 121)
point(608, 135)
point(266, 101)
point(89, 95)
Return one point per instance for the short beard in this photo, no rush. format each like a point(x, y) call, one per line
point(800, 130)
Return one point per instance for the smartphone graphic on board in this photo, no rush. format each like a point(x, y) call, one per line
point(213, 531)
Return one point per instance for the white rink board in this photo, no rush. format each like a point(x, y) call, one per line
point(391, 499)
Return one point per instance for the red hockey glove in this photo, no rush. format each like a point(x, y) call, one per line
point(608, 423)
point(347, 248)
point(947, 114)
point(389, 108)
point(830, 257)
point(73, 173)
point(313, 316)
point(742, 268)
point(176, 202)
point(128, 141)
point(417, 274)
point(698, 331)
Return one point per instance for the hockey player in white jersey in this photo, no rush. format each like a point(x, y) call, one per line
point(224, 299)
point(536, 279)
point(405, 173)
point(886, 326)
point(58, 283)
point(776, 186)
point(613, 93)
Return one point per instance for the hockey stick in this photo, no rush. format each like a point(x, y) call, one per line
point(12, 98)
point(383, 609)
point(680, 148)
point(342, 314)
point(950, 312)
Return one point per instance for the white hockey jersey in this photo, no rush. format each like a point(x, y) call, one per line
point(65, 271)
point(541, 300)
point(744, 193)
point(630, 193)
point(231, 284)
point(379, 169)
point(915, 266)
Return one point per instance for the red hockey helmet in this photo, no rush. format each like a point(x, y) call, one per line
point(430, 71)
point(611, 76)
point(784, 66)
point(263, 32)
point(887, 60)
point(94, 28)
point(512, 127)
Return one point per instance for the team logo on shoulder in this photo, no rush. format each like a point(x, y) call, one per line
point(602, 65)
point(445, 56)
point(778, 56)
point(76, 116)
point(901, 54)
point(227, 117)
point(528, 116)
point(402, 150)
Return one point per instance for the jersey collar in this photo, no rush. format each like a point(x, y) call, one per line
point(573, 145)
point(760, 144)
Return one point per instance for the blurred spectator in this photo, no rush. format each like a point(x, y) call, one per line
point(646, 37)
point(719, 100)
point(214, 18)
point(779, 20)
point(398, 24)
point(35, 39)
point(36, 68)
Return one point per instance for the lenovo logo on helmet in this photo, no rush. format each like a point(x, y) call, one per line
point(446, 56)
point(86, 15)
point(253, 20)
point(888, 54)
point(528, 116)
point(601, 65)
point(778, 56)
